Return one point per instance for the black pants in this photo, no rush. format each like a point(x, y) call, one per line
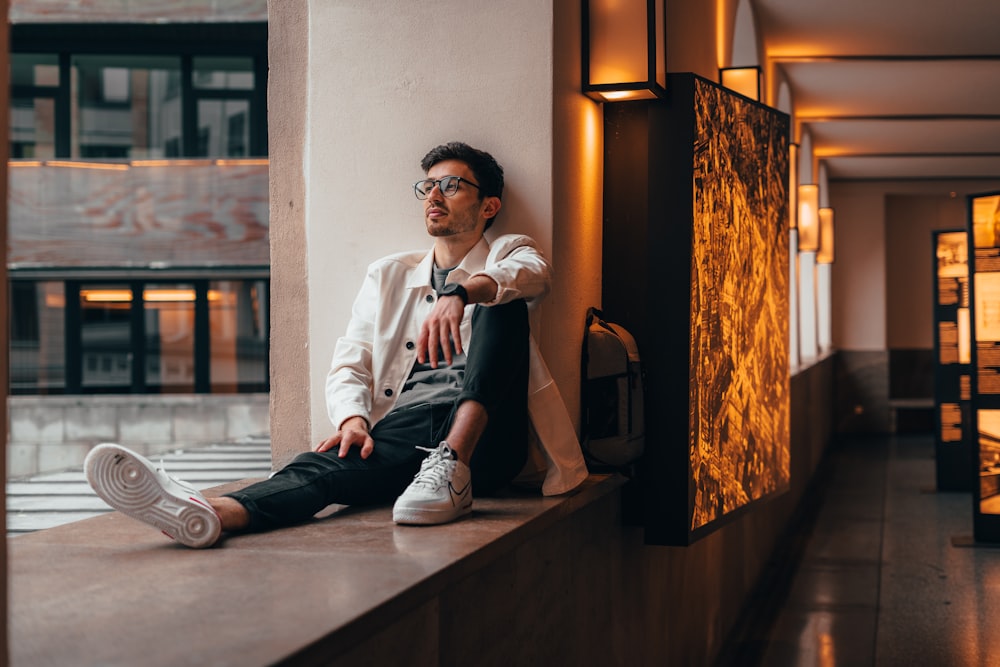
point(496, 375)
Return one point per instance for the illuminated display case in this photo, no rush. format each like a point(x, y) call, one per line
point(984, 301)
point(696, 256)
point(952, 354)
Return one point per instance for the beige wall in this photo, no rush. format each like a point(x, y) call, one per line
point(359, 92)
point(875, 237)
point(910, 219)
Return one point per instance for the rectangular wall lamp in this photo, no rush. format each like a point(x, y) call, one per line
point(743, 80)
point(624, 50)
point(824, 255)
point(808, 223)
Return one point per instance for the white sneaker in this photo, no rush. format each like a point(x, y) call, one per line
point(441, 491)
point(134, 486)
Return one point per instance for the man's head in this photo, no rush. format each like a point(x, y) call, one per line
point(485, 169)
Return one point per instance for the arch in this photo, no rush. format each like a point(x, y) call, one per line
point(745, 49)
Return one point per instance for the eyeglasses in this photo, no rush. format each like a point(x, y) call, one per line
point(448, 184)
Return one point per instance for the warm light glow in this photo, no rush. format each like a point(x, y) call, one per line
point(793, 185)
point(243, 162)
point(29, 163)
point(87, 165)
point(825, 252)
point(168, 295)
point(620, 95)
point(619, 49)
point(808, 223)
point(106, 295)
point(153, 295)
point(743, 80)
point(171, 163)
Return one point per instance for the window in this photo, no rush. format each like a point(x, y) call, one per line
point(168, 310)
point(238, 311)
point(106, 336)
point(123, 108)
point(37, 342)
point(193, 336)
point(137, 106)
point(34, 85)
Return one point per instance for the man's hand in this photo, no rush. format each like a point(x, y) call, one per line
point(353, 433)
point(442, 327)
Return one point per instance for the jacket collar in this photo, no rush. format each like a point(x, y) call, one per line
point(473, 262)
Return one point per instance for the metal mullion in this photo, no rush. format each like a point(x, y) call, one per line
point(258, 107)
point(202, 339)
point(189, 109)
point(137, 321)
point(73, 337)
point(64, 101)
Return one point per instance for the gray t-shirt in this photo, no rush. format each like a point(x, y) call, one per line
point(434, 385)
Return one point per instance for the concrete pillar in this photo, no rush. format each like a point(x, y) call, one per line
point(358, 92)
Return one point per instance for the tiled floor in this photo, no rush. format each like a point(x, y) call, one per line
point(879, 581)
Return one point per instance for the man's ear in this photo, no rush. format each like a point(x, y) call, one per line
point(491, 206)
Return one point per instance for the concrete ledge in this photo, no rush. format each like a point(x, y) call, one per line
point(111, 591)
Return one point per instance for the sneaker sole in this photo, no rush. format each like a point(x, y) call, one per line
point(129, 486)
point(429, 517)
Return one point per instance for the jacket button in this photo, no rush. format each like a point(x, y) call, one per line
point(388, 392)
point(410, 345)
point(430, 298)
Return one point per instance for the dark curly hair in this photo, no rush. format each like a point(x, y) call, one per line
point(488, 172)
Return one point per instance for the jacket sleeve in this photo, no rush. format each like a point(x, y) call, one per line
point(349, 382)
point(519, 269)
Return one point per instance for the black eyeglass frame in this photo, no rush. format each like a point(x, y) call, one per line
point(444, 184)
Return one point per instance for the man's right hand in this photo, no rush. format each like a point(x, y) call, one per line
point(353, 433)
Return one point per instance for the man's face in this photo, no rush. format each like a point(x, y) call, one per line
point(458, 214)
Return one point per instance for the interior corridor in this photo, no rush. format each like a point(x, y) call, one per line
point(870, 574)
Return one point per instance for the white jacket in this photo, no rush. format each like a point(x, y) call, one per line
point(372, 361)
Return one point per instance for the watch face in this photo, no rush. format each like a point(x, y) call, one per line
point(454, 289)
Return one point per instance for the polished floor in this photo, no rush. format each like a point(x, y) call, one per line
point(873, 575)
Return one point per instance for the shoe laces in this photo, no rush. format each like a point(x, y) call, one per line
point(435, 470)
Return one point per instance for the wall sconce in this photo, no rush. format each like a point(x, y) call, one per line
point(808, 223)
point(743, 80)
point(624, 50)
point(824, 255)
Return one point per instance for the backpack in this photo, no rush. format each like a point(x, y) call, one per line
point(614, 427)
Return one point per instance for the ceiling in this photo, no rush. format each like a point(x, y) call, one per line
point(892, 89)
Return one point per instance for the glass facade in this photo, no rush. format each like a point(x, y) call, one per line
point(137, 148)
point(136, 106)
point(34, 85)
point(126, 106)
point(238, 322)
point(194, 336)
point(37, 337)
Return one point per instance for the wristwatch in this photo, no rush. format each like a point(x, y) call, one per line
point(454, 289)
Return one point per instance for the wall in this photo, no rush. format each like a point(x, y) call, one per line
point(348, 161)
point(49, 433)
point(910, 219)
point(881, 290)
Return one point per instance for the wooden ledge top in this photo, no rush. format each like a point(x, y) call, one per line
point(113, 591)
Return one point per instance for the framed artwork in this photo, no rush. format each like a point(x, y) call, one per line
point(696, 257)
point(984, 300)
point(952, 355)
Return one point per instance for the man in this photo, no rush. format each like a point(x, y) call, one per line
point(428, 389)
